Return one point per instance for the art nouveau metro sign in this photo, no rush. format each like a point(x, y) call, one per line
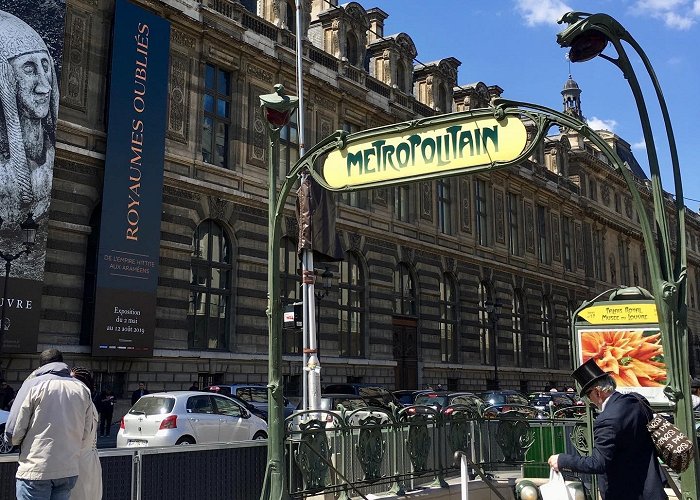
point(407, 152)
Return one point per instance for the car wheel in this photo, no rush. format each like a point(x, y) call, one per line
point(184, 441)
point(260, 435)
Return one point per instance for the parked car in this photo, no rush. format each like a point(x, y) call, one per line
point(406, 396)
point(375, 395)
point(187, 417)
point(445, 400)
point(5, 444)
point(561, 404)
point(255, 395)
point(505, 401)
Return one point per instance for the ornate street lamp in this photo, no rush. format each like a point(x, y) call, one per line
point(587, 36)
point(28, 227)
point(277, 109)
point(493, 309)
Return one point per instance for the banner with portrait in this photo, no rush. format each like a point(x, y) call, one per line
point(31, 51)
point(129, 249)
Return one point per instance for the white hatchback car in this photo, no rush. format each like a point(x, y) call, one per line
point(188, 417)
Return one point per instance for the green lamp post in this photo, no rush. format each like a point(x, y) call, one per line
point(587, 36)
point(277, 108)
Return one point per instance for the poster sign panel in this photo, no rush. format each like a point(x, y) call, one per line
point(615, 335)
point(127, 275)
point(31, 51)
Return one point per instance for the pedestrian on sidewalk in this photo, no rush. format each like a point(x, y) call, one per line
point(89, 484)
point(7, 394)
point(138, 393)
point(106, 410)
point(51, 416)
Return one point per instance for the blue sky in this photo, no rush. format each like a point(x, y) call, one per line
point(512, 44)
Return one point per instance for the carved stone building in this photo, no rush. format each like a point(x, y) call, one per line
point(408, 305)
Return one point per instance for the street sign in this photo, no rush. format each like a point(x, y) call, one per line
point(407, 152)
point(615, 313)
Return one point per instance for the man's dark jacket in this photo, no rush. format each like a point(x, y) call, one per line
point(623, 452)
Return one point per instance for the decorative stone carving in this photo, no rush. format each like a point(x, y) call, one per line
point(178, 97)
point(529, 228)
point(628, 206)
point(380, 196)
point(181, 193)
point(257, 131)
point(259, 73)
point(466, 205)
point(182, 39)
point(76, 62)
point(498, 211)
point(556, 240)
point(217, 208)
point(426, 200)
point(578, 241)
point(613, 270)
point(325, 103)
point(605, 194)
point(355, 241)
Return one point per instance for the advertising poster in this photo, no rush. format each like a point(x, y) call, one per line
point(633, 356)
point(127, 275)
point(31, 50)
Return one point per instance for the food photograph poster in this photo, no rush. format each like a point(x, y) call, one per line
point(633, 356)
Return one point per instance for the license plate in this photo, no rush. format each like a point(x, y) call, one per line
point(134, 443)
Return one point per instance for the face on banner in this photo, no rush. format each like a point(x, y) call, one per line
point(31, 47)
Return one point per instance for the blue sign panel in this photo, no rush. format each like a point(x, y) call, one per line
point(127, 274)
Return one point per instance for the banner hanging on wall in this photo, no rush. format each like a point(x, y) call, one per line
point(31, 51)
point(127, 275)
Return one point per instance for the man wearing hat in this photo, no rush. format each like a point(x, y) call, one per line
point(623, 452)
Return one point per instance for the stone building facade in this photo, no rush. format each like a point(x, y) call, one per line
point(409, 306)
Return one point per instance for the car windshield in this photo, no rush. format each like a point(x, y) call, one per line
point(348, 403)
point(153, 406)
point(500, 398)
point(376, 396)
point(431, 400)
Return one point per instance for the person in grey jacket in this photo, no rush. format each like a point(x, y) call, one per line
point(49, 420)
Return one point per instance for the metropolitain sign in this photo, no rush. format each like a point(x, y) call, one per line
point(450, 147)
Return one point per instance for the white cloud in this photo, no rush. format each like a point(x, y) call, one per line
point(542, 11)
point(676, 14)
point(601, 124)
point(639, 146)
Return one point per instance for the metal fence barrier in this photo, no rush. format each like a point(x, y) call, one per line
point(211, 472)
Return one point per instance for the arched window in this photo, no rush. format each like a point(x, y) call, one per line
point(291, 16)
point(353, 52)
point(549, 341)
point(210, 287)
point(404, 291)
point(485, 344)
point(518, 314)
point(351, 307)
point(401, 76)
point(87, 320)
point(449, 320)
point(289, 291)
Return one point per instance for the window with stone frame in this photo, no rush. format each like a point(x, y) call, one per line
point(290, 284)
point(593, 190)
point(515, 231)
point(404, 291)
point(481, 212)
point(543, 250)
point(485, 343)
point(449, 319)
point(598, 255)
point(209, 314)
point(351, 306)
point(518, 318)
point(402, 203)
point(567, 242)
point(216, 121)
point(353, 50)
point(624, 258)
point(290, 15)
point(289, 144)
point(444, 206)
point(549, 342)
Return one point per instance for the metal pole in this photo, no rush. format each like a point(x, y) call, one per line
point(494, 321)
point(4, 298)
